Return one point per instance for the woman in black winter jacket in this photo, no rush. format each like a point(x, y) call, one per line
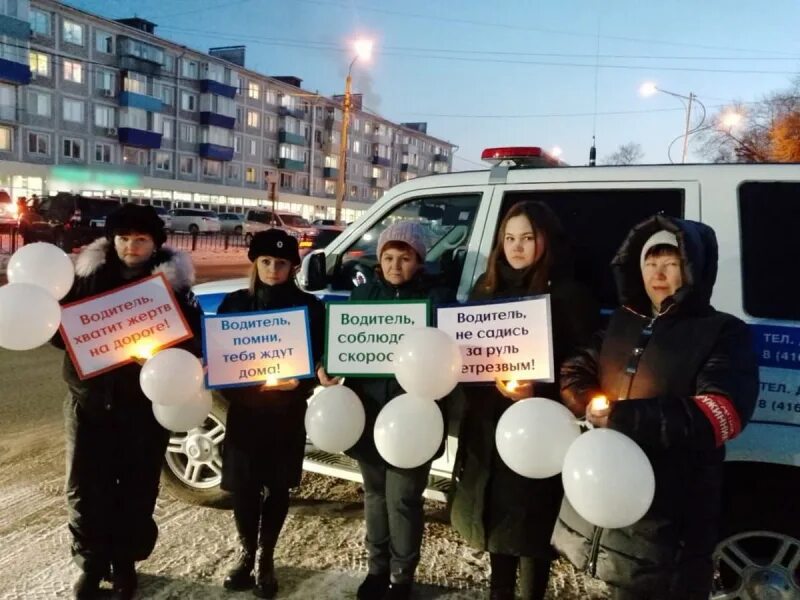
point(393, 504)
point(493, 507)
point(115, 446)
point(683, 379)
point(265, 433)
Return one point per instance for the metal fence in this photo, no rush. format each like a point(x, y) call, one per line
point(10, 240)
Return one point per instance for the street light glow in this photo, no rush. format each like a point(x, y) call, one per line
point(363, 48)
point(730, 119)
point(648, 88)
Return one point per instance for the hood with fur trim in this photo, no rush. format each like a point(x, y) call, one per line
point(176, 266)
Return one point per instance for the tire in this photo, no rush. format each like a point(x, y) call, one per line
point(194, 229)
point(237, 230)
point(248, 237)
point(758, 555)
point(205, 445)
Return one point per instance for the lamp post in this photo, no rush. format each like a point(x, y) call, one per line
point(649, 88)
point(363, 49)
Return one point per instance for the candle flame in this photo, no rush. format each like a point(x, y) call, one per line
point(512, 385)
point(144, 350)
point(271, 381)
point(599, 403)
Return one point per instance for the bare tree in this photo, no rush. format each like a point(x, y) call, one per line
point(627, 154)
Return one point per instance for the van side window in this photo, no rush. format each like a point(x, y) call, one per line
point(769, 220)
point(596, 222)
point(447, 222)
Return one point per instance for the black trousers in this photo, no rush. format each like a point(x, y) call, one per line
point(114, 460)
point(533, 574)
point(259, 514)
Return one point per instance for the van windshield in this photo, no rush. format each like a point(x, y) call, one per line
point(294, 220)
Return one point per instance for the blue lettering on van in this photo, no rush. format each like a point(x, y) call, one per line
point(777, 346)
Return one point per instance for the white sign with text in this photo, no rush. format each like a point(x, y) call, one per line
point(509, 340)
point(250, 348)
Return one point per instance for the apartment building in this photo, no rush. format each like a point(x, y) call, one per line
point(107, 107)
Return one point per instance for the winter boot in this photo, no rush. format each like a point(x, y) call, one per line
point(398, 591)
point(124, 579)
point(87, 587)
point(373, 587)
point(240, 577)
point(266, 584)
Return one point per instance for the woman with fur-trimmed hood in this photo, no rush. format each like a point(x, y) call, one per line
point(115, 447)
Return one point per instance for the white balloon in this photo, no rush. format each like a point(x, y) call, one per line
point(408, 431)
point(533, 436)
point(427, 363)
point(186, 416)
point(44, 265)
point(29, 316)
point(335, 419)
point(171, 376)
point(608, 479)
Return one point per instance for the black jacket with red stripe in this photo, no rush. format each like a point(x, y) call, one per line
point(683, 382)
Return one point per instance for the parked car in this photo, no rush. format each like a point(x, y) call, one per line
point(194, 220)
point(323, 222)
point(165, 216)
point(318, 237)
point(754, 211)
point(232, 223)
point(67, 220)
point(261, 219)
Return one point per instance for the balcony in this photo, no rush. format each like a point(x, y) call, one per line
point(440, 158)
point(212, 118)
point(330, 173)
point(379, 160)
point(215, 151)
point(139, 138)
point(14, 72)
point(138, 56)
point(141, 101)
point(215, 87)
point(291, 165)
point(285, 111)
point(379, 182)
point(284, 137)
point(409, 168)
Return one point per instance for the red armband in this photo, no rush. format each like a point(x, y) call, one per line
point(722, 415)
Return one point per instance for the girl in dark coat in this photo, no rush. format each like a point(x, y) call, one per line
point(115, 446)
point(684, 381)
point(393, 504)
point(494, 508)
point(265, 433)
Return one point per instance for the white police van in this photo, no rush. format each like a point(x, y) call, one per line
point(755, 211)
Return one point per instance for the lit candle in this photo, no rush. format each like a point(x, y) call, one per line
point(143, 350)
point(512, 385)
point(599, 404)
point(271, 381)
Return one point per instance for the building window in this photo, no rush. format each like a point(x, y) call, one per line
point(234, 171)
point(39, 103)
point(104, 116)
point(270, 124)
point(212, 168)
point(134, 156)
point(189, 68)
point(286, 180)
point(188, 101)
point(163, 161)
point(330, 187)
point(135, 118)
point(40, 22)
point(187, 165)
point(164, 126)
point(166, 93)
point(237, 144)
point(188, 133)
point(40, 64)
point(106, 80)
point(38, 143)
point(135, 82)
point(271, 97)
point(73, 33)
point(250, 175)
point(269, 151)
point(253, 147)
point(102, 153)
point(356, 147)
point(73, 71)
point(6, 137)
point(252, 119)
point(104, 42)
point(253, 90)
point(72, 148)
point(73, 110)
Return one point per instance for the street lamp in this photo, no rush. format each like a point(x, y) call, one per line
point(649, 88)
point(363, 50)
